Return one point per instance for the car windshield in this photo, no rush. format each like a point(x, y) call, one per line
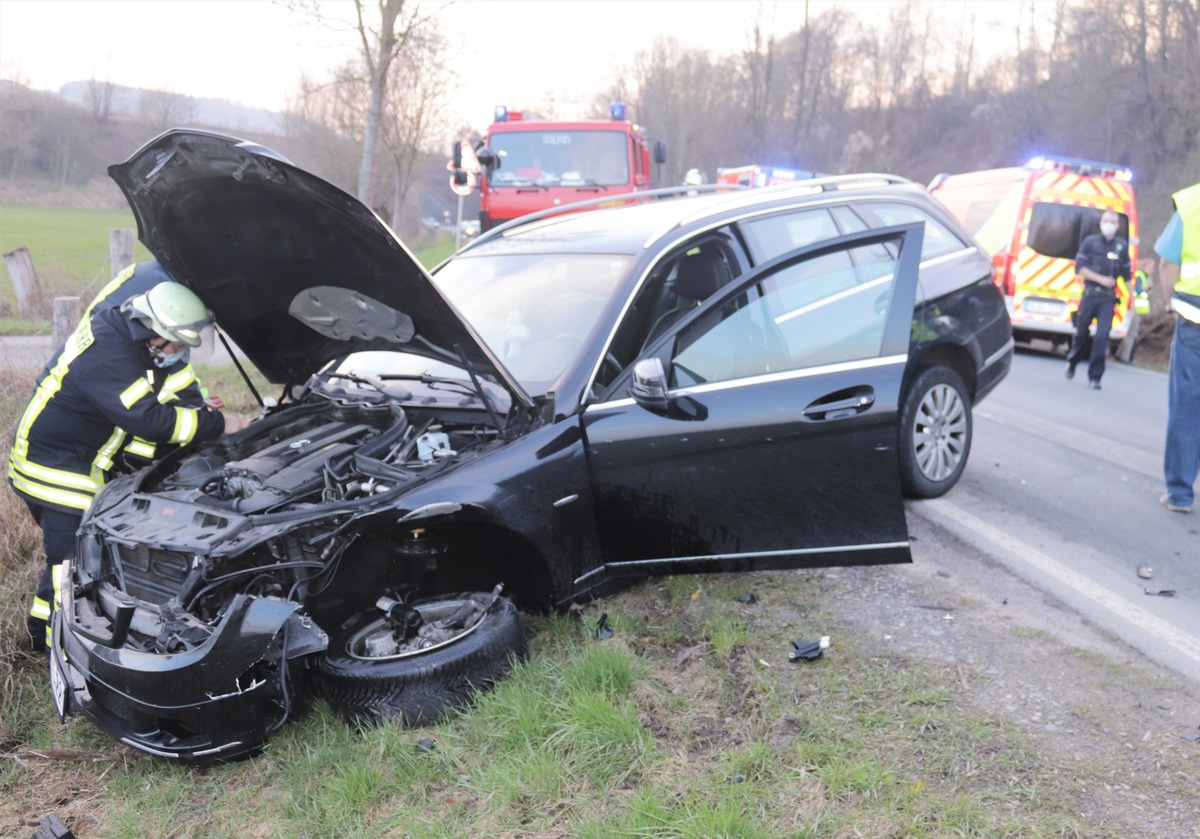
point(560, 158)
point(532, 310)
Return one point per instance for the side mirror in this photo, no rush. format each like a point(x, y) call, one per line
point(488, 159)
point(456, 155)
point(660, 151)
point(649, 387)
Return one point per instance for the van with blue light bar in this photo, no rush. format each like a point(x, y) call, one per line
point(530, 163)
point(1031, 219)
point(754, 175)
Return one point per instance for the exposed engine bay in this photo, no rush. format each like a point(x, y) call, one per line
point(265, 512)
point(332, 449)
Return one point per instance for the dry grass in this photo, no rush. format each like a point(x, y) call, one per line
point(20, 543)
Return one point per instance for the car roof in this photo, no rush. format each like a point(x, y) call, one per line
point(634, 227)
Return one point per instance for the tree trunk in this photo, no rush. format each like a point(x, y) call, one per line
point(379, 58)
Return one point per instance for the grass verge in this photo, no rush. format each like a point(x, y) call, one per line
point(688, 722)
point(69, 248)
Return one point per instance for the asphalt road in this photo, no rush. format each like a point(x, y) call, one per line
point(33, 351)
point(1062, 488)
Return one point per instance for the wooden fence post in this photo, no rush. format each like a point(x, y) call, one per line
point(64, 319)
point(24, 279)
point(120, 248)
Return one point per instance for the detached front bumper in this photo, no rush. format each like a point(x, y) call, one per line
point(216, 702)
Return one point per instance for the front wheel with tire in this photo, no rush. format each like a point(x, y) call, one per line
point(935, 433)
point(369, 677)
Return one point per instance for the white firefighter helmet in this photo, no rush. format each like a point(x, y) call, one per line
point(694, 177)
point(172, 311)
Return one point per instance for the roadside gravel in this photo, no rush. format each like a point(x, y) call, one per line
point(1094, 706)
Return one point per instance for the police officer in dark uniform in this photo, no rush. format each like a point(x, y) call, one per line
point(1102, 258)
point(112, 379)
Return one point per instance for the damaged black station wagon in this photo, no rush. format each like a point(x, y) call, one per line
point(727, 382)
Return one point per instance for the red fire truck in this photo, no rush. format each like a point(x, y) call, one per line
point(531, 164)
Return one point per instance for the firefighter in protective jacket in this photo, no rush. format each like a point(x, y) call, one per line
point(116, 377)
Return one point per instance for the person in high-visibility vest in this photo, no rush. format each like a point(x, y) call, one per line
point(111, 379)
point(1179, 272)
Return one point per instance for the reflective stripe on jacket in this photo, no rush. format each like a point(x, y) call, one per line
point(101, 385)
point(134, 280)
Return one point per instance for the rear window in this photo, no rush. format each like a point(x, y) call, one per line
point(1056, 230)
point(771, 236)
point(939, 240)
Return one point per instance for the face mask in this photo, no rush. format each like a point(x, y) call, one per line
point(164, 361)
point(1108, 229)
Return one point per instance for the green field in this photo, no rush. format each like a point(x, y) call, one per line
point(70, 254)
point(69, 247)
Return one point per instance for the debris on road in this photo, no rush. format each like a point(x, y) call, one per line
point(1160, 592)
point(52, 827)
point(1145, 572)
point(809, 650)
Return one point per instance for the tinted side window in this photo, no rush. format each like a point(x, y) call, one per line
point(823, 310)
point(938, 238)
point(1057, 229)
point(776, 235)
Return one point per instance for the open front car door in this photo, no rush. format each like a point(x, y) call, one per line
point(761, 431)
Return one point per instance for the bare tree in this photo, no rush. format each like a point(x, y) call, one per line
point(680, 95)
point(99, 94)
point(415, 110)
point(758, 64)
point(964, 51)
point(323, 123)
point(164, 109)
point(383, 30)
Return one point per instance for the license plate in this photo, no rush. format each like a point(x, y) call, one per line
point(1047, 308)
point(59, 686)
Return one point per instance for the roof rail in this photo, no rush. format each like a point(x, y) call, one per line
point(627, 197)
point(855, 181)
point(830, 183)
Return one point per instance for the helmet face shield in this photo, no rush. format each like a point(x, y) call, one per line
point(184, 333)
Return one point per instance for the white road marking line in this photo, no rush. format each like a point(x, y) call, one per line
point(1182, 643)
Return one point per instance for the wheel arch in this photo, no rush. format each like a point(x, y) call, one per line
point(953, 356)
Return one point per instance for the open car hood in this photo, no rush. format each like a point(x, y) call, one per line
point(295, 270)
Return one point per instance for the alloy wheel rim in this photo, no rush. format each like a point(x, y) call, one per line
point(940, 432)
point(357, 643)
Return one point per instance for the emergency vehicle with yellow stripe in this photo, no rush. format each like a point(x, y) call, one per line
point(1031, 219)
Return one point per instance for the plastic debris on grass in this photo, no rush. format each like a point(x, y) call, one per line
point(808, 650)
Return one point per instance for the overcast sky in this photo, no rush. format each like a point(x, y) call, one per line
point(514, 52)
point(251, 51)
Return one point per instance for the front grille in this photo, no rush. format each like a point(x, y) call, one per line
point(150, 574)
